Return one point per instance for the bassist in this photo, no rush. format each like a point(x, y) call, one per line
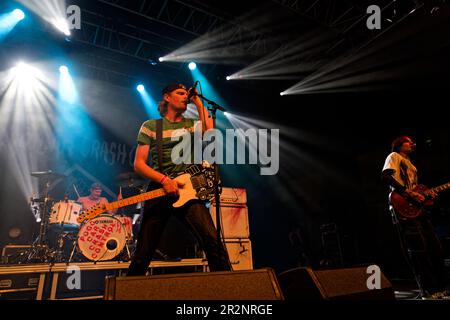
point(154, 139)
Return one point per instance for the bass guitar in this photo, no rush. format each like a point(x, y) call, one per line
point(197, 181)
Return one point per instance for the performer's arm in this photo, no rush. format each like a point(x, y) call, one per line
point(105, 201)
point(83, 205)
point(207, 122)
point(141, 167)
point(387, 176)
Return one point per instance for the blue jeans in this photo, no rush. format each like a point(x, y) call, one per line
point(195, 216)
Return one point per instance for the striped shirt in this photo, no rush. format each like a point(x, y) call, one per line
point(147, 136)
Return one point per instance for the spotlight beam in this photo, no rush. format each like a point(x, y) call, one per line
point(9, 20)
point(229, 43)
point(54, 12)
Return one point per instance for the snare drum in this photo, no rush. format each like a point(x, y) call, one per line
point(65, 213)
point(102, 238)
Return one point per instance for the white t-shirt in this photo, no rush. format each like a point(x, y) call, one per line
point(404, 171)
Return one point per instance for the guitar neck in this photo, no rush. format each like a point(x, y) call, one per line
point(135, 199)
point(441, 188)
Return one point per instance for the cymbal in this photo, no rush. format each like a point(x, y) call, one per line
point(42, 200)
point(48, 174)
point(130, 184)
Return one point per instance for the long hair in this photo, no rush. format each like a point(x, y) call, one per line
point(163, 105)
point(398, 142)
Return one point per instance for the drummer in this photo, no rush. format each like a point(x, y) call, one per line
point(95, 198)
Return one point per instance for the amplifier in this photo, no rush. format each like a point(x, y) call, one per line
point(234, 221)
point(240, 253)
point(19, 286)
point(233, 196)
point(15, 254)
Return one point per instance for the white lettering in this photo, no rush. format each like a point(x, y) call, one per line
point(374, 20)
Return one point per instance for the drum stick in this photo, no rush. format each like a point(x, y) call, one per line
point(76, 191)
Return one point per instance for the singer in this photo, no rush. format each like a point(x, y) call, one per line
point(155, 137)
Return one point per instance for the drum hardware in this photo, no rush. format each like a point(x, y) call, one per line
point(40, 251)
point(59, 229)
point(62, 241)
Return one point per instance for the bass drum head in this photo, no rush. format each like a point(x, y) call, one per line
point(101, 238)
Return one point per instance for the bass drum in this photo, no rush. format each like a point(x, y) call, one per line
point(102, 238)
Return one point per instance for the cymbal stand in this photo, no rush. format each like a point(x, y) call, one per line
point(74, 247)
point(40, 251)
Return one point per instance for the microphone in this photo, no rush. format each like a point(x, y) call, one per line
point(191, 91)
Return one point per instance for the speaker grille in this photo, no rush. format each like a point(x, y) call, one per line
point(345, 282)
point(332, 284)
point(238, 285)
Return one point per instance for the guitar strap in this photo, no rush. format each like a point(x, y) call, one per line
point(159, 129)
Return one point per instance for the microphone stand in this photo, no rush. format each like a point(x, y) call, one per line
point(213, 109)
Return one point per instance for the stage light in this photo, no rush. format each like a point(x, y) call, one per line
point(140, 88)
point(226, 114)
point(24, 73)
point(19, 14)
point(161, 59)
point(26, 105)
point(282, 93)
point(68, 94)
point(62, 26)
point(54, 12)
point(150, 105)
point(63, 69)
point(9, 20)
point(192, 65)
point(228, 77)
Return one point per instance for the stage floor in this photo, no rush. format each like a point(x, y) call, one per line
point(57, 281)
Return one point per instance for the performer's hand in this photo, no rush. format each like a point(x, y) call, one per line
point(172, 186)
point(195, 98)
point(416, 196)
point(432, 194)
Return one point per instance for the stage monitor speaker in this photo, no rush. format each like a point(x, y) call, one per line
point(332, 284)
point(258, 284)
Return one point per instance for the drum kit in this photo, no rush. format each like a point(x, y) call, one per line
point(62, 239)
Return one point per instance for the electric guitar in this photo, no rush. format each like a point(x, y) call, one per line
point(410, 208)
point(197, 180)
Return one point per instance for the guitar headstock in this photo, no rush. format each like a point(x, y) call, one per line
point(92, 212)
